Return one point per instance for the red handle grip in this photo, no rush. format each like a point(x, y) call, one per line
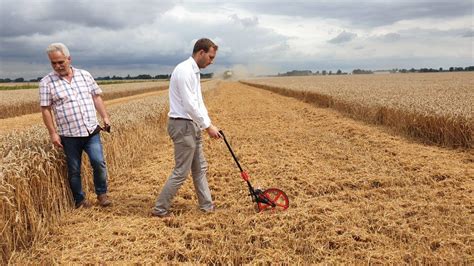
point(245, 176)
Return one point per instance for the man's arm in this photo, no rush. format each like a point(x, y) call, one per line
point(190, 106)
point(100, 107)
point(48, 122)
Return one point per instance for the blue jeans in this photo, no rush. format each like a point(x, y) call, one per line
point(73, 147)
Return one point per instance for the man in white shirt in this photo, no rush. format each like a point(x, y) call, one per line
point(187, 117)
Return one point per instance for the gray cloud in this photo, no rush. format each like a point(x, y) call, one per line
point(434, 33)
point(468, 34)
point(389, 37)
point(343, 37)
point(135, 37)
point(367, 13)
point(23, 17)
point(158, 43)
point(246, 22)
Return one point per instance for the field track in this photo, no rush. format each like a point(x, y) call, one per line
point(357, 194)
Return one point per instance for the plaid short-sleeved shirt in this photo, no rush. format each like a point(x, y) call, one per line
point(72, 102)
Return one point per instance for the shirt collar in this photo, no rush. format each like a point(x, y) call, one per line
point(194, 65)
point(58, 76)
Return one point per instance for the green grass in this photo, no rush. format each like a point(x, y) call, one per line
point(18, 87)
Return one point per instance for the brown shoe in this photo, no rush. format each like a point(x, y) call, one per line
point(83, 204)
point(155, 213)
point(104, 200)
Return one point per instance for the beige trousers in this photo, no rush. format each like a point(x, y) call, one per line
point(188, 156)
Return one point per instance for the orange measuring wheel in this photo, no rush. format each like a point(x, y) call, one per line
point(269, 199)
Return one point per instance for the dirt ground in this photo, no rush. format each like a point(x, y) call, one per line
point(358, 193)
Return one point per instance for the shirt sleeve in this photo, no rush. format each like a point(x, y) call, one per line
point(94, 87)
point(191, 100)
point(45, 94)
point(96, 90)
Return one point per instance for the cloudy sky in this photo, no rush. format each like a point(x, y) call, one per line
point(111, 37)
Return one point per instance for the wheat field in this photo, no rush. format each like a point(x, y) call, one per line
point(21, 102)
point(32, 170)
point(436, 108)
point(358, 193)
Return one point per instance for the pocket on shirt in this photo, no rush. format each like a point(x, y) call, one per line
point(60, 95)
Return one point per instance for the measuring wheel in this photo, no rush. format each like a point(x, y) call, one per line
point(272, 199)
point(268, 199)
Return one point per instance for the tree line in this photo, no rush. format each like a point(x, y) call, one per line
point(114, 77)
point(289, 73)
point(364, 71)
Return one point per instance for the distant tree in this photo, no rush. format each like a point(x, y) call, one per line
point(426, 70)
point(361, 71)
point(19, 80)
point(324, 72)
point(207, 76)
point(161, 76)
point(298, 73)
point(440, 69)
point(339, 72)
point(330, 72)
point(143, 76)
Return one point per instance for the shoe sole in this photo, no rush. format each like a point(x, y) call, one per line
point(105, 204)
point(167, 215)
point(84, 205)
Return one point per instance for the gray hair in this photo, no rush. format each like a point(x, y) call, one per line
point(58, 47)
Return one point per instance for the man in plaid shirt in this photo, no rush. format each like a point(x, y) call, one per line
point(73, 96)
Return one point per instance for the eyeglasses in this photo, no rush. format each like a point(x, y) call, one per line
point(58, 63)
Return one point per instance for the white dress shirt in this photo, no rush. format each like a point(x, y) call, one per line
point(186, 95)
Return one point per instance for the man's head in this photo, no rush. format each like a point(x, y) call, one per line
point(204, 52)
point(60, 58)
